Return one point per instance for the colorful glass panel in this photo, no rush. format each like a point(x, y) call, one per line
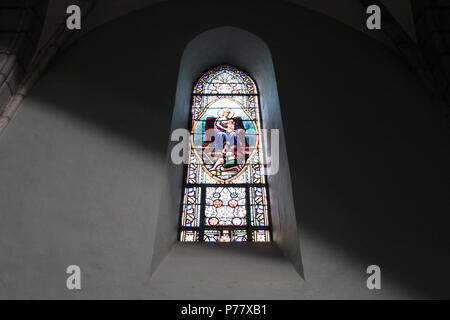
point(225, 197)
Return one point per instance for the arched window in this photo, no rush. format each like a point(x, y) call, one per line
point(225, 195)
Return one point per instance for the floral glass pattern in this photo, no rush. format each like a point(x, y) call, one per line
point(225, 198)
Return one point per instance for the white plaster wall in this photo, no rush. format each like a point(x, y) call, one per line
point(80, 172)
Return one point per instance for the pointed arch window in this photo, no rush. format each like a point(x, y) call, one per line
point(225, 196)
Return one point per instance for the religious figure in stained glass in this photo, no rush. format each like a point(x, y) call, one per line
point(225, 197)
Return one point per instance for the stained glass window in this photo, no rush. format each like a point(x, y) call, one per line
point(225, 196)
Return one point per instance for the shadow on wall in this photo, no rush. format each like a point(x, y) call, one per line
point(370, 162)
point(367, 150)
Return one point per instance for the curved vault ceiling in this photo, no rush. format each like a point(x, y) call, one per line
point(349, 12)
point(409, 25)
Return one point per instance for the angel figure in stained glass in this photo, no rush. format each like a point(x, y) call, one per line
point(229, 152)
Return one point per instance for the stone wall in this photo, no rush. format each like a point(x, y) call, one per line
point(432, 21)
point(21, 22)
